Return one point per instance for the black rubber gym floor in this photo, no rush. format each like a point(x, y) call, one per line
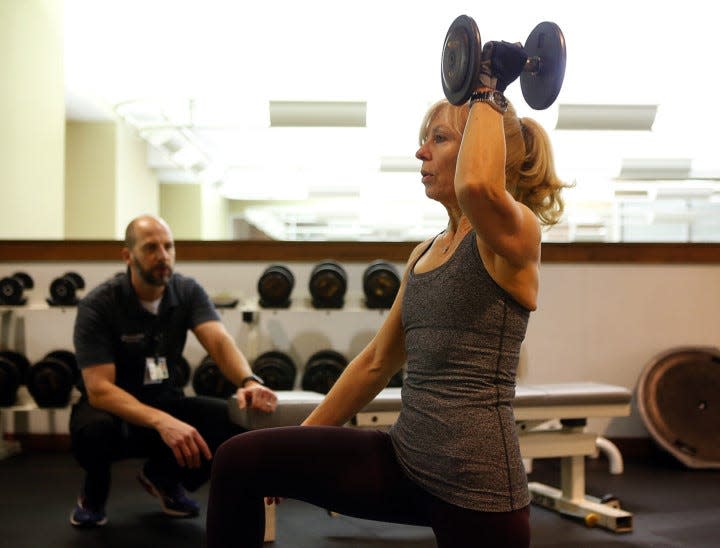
point(672, 507)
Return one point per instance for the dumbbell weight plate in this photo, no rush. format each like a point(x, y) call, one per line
point(322, 371)
point(19, 361)
point(9, 382)
point(276, 369)
point(460, 60)
point(396, 381)
point(381, 284)
point(62, 290)
point(545, 44)
point(50, 383)
point(69, 359)
point(76, 278)
point(328, 284)
point(11, 291)
point(275, 286)
point(208, 380)
point(25, 279)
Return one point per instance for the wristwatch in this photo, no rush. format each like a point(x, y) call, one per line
point(493, 98)
point(249, 378)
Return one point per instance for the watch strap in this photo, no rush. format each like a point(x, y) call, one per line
point(493, 98)
point(249, 378)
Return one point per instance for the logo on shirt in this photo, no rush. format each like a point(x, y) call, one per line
point(133, 338)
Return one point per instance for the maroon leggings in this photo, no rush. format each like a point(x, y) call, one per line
point(347, 470)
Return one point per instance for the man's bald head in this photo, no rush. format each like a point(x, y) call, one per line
point(139, 223)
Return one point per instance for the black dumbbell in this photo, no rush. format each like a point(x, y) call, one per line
point(328, 284)
point(277, 370)
point(381, 283)
point(13, 373)
point(396, 381)
point(12, 287)
point(50, 381)
point(540, 81)
point(275, 286)
point(322, 370)
point(208, 380)
point(63, 290)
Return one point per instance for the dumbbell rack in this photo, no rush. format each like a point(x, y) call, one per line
point(25, 402)
point(7, 447)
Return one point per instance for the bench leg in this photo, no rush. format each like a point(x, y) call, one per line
point(571, 500)
point(612, 453)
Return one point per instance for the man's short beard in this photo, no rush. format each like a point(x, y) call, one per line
point(148, 277)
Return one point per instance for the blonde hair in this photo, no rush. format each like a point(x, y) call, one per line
point(529, 166)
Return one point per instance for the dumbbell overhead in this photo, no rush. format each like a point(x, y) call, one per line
point(542, 76)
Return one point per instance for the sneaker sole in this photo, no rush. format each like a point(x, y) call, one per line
point(150, 488)
point(87, 524)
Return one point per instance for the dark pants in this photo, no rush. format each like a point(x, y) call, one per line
point(346, 470)
point(99, 439)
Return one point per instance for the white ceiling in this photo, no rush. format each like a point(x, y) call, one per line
point(229, 58)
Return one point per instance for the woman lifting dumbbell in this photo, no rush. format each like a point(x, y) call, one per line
point(452, 460)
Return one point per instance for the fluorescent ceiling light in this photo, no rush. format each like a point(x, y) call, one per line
point(399, 164)
point(606, 117)
point(679, 193)
point(643, 169)
point(318, 113)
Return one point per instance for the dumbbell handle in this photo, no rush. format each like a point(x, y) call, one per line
point(533, 65)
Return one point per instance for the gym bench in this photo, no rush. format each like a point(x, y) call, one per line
point(550, 419)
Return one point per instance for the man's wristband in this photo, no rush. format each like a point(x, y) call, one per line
point(493, 98)
point(249, 378)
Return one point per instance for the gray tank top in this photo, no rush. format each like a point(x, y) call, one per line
point(455, 435)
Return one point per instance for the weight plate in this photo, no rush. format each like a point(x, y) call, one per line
point(460, 60)
point(9, 382)
point(25, 279)
point(50, 383)
point(381, 283)
point(276, 369)
point(19, 361)
point(62, 290)
point(275, 285)
point(545, 47)
point(69, 359)
point(328, 284)
point(76, 278)
point(11, 291)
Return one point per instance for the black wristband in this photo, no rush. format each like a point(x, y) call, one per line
point(249, 378)
point(493, 98)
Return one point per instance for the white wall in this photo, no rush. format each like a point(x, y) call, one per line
point(599, 322)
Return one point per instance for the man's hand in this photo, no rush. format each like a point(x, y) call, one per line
point(186, 443)
point(257, 396)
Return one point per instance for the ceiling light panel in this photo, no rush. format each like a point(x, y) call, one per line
point(318, 113)
point(606, 117)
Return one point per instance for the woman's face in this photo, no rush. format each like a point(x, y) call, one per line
point(438, 154)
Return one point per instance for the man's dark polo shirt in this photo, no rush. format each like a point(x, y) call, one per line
point(113, 327)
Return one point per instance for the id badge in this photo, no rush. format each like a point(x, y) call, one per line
point(156, 370)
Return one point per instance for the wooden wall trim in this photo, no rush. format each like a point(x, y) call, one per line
point(251, 250)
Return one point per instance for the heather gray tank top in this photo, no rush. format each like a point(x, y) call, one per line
point(455, 435)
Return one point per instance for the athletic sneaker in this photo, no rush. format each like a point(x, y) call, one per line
point(174, 501)
point(87, 517)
